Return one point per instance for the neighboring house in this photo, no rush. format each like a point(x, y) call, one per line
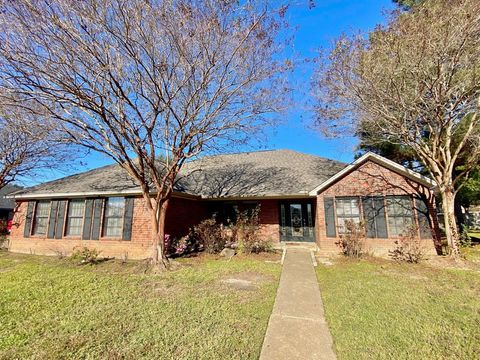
point(472, 216)
point(7, 205)
point(302, 198)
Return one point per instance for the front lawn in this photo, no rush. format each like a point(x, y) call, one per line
point(472, 253)
point(52, 309)
point(378, 309)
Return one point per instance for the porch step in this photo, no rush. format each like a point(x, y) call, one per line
point(298, 245)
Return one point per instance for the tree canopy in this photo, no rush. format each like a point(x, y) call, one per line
point(407, 4)
point(140, 79)
point(29, 143)
point(413, 83)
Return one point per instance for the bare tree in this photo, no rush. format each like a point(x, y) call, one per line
point(140, 80)
point(415, 82)
point(28, 144)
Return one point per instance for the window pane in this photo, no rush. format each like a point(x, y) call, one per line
point(75, 208)
point(400, 215)
point(115, 207)
point(347, 209)
point(113, 227)
point(42, 208)
point(340, 209)
point(282, 219)
point(310, 219)
point(355, 209)
point(341, 223)
point(113, 219)
point(40, 227)
point(40, 222)
point(74, 226)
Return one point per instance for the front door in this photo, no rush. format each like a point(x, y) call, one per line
point(296, 221)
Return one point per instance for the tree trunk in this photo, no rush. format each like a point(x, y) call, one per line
point(158, 216)
point(459, 216)
point(451, 230)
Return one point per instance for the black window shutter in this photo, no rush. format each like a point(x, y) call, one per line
point(380, 218)
point(423, 219)
point(127, 220)
point(87, 223)
point(62, 204)
point(52, 219)
point(28, 219)
point(329, 217)
point(97, 218)
point(369, 215)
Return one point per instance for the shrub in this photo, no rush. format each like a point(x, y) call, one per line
point(3, 242)
point(209, 235)
point(465, 239)
point(167, 242)
point(182, 246)
point(409, 248)
point(85, 255)
point(352, 242)
point(3, 227)
point(60, 254)
point(255, 246)
point(244, 232)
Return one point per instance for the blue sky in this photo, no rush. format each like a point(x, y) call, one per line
point(315, 28)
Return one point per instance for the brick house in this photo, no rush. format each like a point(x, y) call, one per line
point(302, 198)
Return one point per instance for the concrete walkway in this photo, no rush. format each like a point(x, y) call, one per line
point(297, 328)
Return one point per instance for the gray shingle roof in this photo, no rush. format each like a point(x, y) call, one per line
point(110, 178)
point(260, 173)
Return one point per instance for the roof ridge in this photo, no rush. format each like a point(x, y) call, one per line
point(267, 150)
point(237, 153)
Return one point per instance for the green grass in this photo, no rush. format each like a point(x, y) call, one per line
point(52, 309)
point(472, 253)
point(382, 310)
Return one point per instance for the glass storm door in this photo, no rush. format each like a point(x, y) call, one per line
point(296, 222)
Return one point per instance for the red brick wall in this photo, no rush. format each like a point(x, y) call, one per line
point(182, 214)
point(269, 220)
point(268, 215)
point(371, 179)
